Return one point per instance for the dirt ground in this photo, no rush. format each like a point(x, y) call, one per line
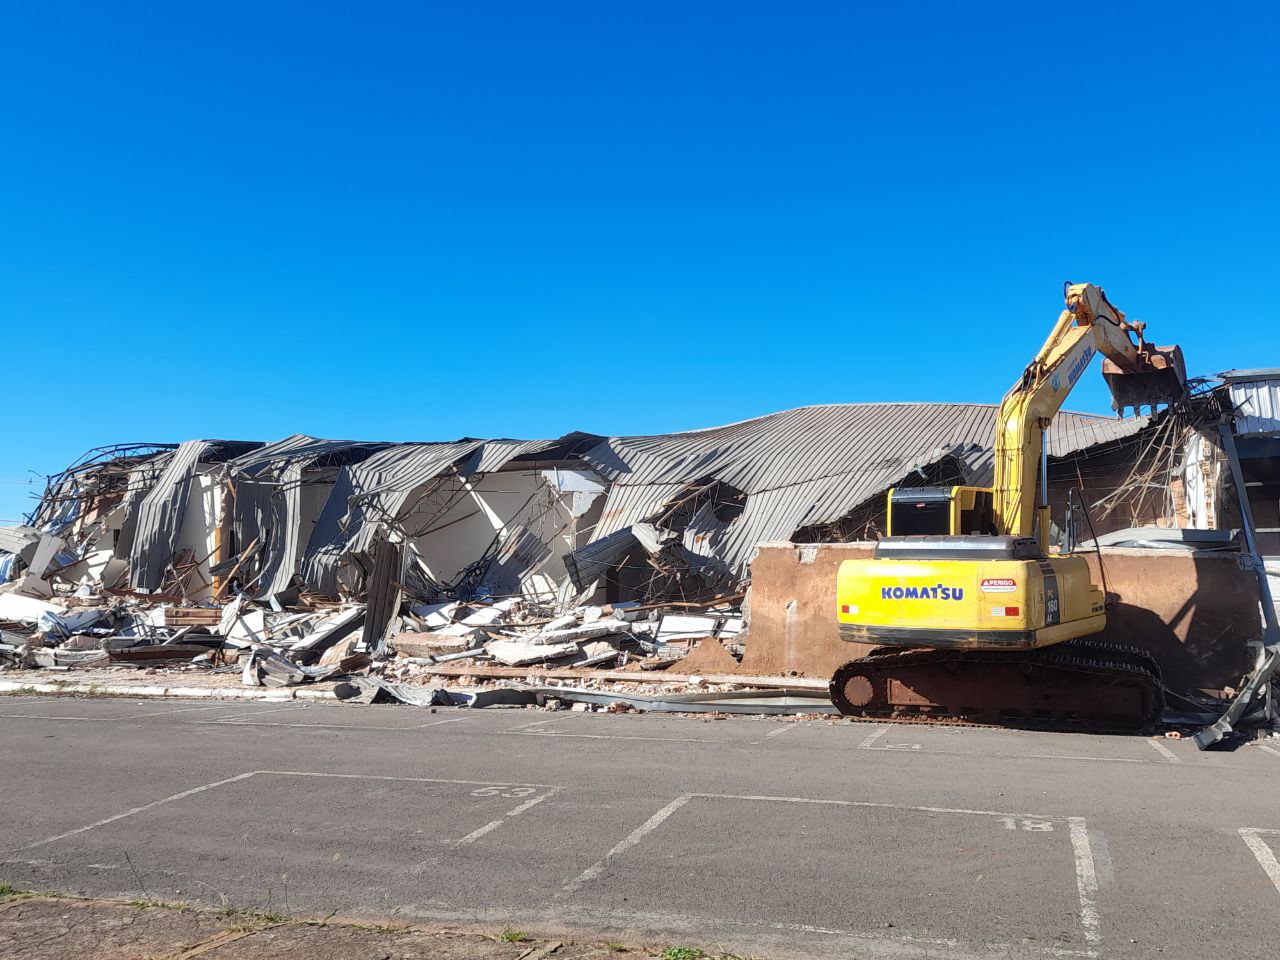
point(50, 927)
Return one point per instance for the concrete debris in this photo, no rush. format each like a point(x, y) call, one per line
point(519, 653)
point(202, 613)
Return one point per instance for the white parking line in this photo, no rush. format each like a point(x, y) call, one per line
point(1263, 853)
point(381, 777)
point(875, 805)
point(870, 744)
point(551, 790)
point(139, 716)
point(536, 723)
point(1082, 852)
point(165, 713)
point(332, 726)
point(610, 736)
point(475, 835)
point(1086, 880)
point(774, 733)
point(1164, 751)
point(289, 705)
point(142, 809)
point(1271, 750)
point(872, 738)
point(629, 841)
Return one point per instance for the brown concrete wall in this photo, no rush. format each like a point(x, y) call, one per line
point(793, 610)
point(1193, 612)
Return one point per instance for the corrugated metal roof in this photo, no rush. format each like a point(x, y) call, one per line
point(495, 454)
point(1263, 373)
point(305, 448)
point(811, 465)
point(827, 440)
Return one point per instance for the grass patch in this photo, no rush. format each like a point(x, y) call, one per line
point(682, 953)
point(160, 905)
point(382, 928)
point(253, 915)
point(513, 936)
point(9, 892)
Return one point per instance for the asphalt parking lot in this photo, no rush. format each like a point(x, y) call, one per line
point(761, 836)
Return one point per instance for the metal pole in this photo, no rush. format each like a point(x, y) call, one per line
point(1044, 468)
point(1258, 685)
point(1271, 635)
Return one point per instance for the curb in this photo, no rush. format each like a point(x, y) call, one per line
point(274, 694)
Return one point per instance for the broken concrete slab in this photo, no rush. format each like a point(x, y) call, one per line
point(519, 653)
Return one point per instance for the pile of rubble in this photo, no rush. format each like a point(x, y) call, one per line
point(388, 647)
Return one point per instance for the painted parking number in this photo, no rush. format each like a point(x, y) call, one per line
point(511, 793)
point(1034, 826)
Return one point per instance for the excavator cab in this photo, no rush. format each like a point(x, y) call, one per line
point(955, 511)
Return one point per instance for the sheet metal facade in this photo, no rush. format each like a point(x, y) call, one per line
point(1255, 394)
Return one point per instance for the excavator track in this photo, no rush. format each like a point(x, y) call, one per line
point(1084, 684)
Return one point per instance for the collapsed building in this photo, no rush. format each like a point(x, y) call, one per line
point(294, 557)
point(582, 518)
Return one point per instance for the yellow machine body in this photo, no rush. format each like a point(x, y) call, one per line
point(967, 604)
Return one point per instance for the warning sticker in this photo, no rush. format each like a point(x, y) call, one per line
point(999, 585)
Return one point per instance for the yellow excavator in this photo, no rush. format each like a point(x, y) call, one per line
point(974, 617)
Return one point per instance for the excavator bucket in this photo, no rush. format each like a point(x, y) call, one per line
point(1160, 380)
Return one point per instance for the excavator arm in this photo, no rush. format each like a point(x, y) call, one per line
point(1137, 373)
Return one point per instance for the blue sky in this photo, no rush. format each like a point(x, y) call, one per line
point(423, 221)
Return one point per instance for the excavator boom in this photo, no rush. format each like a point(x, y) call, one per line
point(1137, 373)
